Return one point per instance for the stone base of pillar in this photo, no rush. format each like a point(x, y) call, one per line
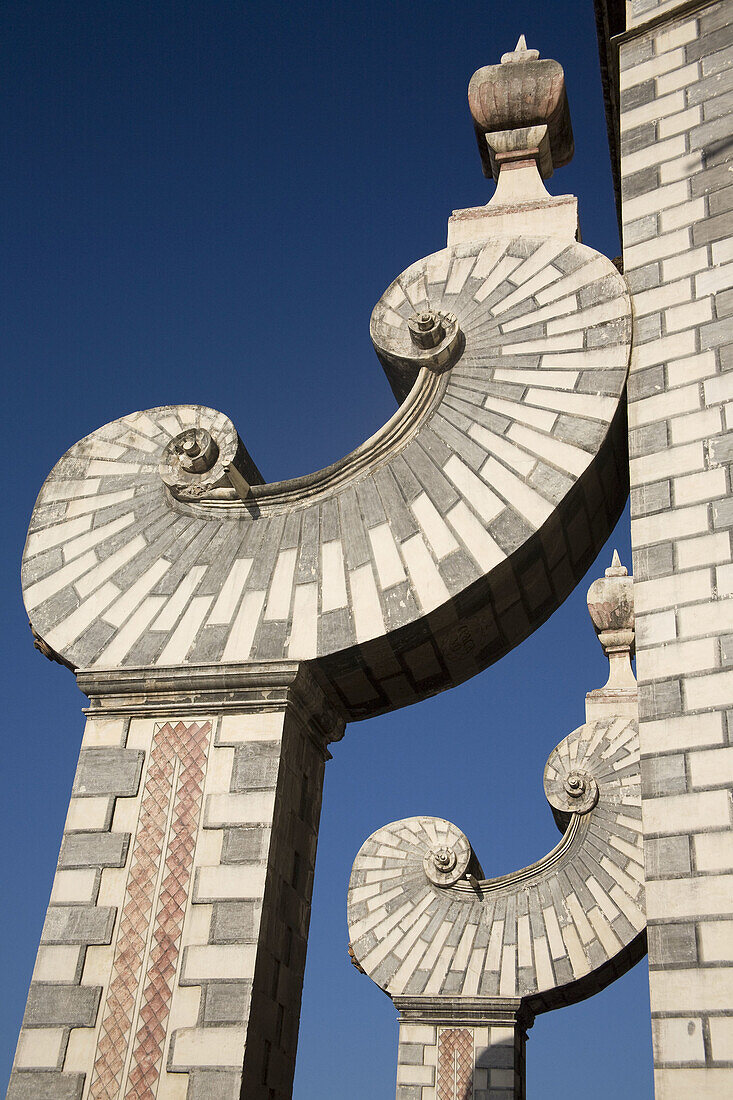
point(173, 952)
point(451, 1049)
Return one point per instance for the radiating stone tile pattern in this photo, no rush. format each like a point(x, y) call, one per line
point(550, 934)
point(401, 577)
point(676, 87)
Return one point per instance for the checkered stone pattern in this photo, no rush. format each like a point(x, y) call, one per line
point(676, 93)
point(410, 565)
point(550, 934)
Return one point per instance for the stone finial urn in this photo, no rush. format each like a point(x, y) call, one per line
point(611, 608)
point(523, 91)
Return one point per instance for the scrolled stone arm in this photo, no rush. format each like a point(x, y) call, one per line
point(424, 922)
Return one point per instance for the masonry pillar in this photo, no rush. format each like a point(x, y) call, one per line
point(458, 1048)
point(668, 96)
point(172, 957)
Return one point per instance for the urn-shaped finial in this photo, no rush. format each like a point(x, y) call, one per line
point(517, 96)
point(611, 608)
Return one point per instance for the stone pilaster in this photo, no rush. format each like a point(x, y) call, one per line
point(173, 952)
point(453, 1048)
point(674, 169)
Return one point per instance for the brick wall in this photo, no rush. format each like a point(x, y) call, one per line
point(677, 197)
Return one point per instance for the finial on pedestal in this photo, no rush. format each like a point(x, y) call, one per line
point(520, 113)
point(611, 608)
point(520, 52)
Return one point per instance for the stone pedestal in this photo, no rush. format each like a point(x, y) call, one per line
point(172, 957)
point(454, 1048)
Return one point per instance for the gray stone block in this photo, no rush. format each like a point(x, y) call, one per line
point(94, 850)
point(667, 856)
point(410, 1054)
point(235, 921)
point(663, 775)
point(78, 924)
point(226, 1002)
point(641, 137)
point(654, 561)
point(648, 440)
point(55, 1005)
point(648, 499)
point(672, 944)
point(210, 1084)
point(108, 771)
point(45, 1085)
point(256, 766)
point(660, 700)
point(245, 845)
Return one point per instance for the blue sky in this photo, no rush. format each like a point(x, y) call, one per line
point(201, 203)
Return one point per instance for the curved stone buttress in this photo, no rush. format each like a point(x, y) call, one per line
point(469, 961)
point(412, 563)
point(551, 934)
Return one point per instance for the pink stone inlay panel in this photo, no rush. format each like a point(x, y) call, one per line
point(144, 967)
point(455, 1064)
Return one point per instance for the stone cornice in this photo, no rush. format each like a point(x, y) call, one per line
point(259, 687)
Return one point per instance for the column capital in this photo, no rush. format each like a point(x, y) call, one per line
point(254, 686)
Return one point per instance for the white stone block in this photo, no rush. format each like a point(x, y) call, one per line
point(653, 629)
point(721, 1038)
point(710, 1083)
point(666, 244)
point(693, 812)
point(703, 550)
point(711, 618)
point(724, 579)
point(650, 112)
point(73, 887)
point(87, 814)
point(664, 593)
point(692, 261)
point(415, 1075)
point(662, 297)
point(715, 690)
point(688, 731)
point(229, 882)
point(712, 768)
point(716, 941)
point(238, 728)
point(678, 78)
point(208, 1046)
point(663, 406)
point(667, 463)
point(688, 213)
point(703, 990)
point(676, 36)
point(688, 316)
point(714, 851)
point(706, 485)
point(718, 389)
point(688, 898)
point(637, 74)
point(248, 808)
point(57, 963)
point(656, 153)
point(700, 425)
point(39, 1048)
point(219, 962)
point(679, 1039)
point(678, 524)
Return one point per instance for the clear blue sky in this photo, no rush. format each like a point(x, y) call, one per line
point(201, 203)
